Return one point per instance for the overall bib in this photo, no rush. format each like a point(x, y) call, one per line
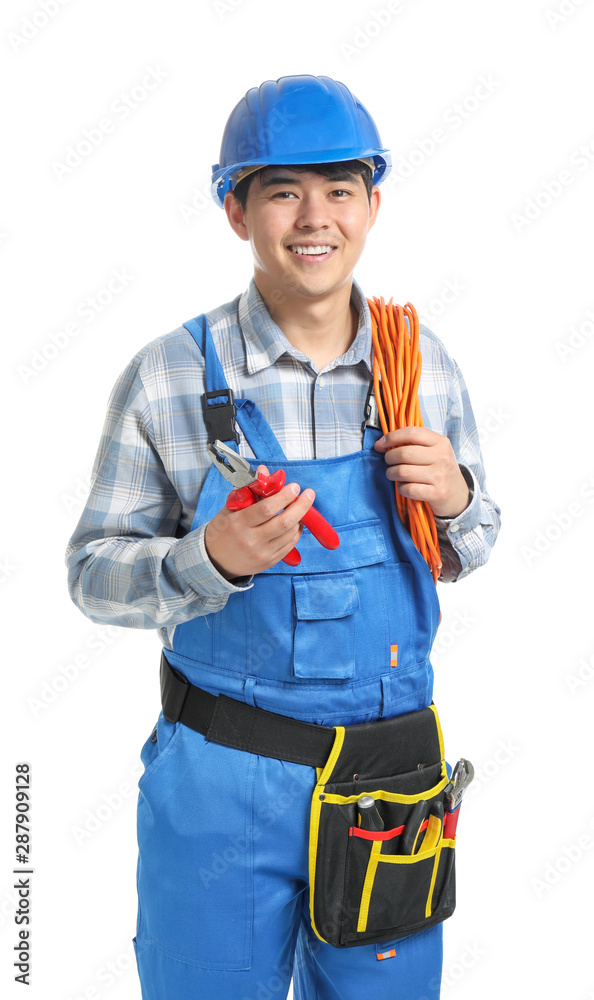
point(342, 638)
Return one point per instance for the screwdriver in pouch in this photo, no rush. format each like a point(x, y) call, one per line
point(369, 816)
point(414, 825)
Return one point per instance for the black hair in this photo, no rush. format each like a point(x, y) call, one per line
point(341, 171)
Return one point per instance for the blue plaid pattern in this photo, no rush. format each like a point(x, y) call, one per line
point(132, 559)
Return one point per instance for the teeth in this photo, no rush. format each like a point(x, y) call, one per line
point(311, 250)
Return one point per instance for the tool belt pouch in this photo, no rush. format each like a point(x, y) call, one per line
point(363, 888)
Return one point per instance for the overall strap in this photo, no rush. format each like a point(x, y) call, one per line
point(221, 409)
point(258, 432)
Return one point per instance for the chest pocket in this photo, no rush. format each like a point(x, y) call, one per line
point(324, 634)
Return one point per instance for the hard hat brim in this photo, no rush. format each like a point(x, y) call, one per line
point(226, 178)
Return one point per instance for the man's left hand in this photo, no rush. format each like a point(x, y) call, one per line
point(425, 467)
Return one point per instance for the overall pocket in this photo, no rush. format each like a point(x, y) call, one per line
point(195, 872)
point(394, 875)
point(324, 636)
point(157, 746)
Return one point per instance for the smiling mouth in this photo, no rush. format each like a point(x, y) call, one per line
point(311, 253)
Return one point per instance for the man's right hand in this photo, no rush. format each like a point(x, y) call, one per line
point(246, 542)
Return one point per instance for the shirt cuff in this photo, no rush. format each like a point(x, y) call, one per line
point(194, 565)
point(469, 518)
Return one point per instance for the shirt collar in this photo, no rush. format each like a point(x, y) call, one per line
point(265, 341)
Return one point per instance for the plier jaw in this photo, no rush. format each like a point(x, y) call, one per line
point(235, 469)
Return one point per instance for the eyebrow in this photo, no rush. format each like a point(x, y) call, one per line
point(268, 181)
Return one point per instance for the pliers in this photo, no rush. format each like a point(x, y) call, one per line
point(460, 779)
point(427, 818)
point(432, 820)
point(249, 487)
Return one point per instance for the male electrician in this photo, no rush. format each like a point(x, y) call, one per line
point(298, 653)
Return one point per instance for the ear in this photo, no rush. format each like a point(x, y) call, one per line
point(374, 204)
point(235, 215)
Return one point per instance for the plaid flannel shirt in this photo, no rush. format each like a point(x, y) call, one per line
point(133, 560)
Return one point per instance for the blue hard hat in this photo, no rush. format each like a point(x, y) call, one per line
point(297, 119)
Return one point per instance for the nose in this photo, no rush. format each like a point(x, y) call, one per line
point(314, 211)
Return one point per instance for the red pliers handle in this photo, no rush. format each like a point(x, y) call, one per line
point(267, 486)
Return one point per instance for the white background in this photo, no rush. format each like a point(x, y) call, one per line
point(514, 652)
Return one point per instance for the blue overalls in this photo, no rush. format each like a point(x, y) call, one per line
point(342, 638)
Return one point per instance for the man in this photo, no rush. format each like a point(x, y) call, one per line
point(226, 795)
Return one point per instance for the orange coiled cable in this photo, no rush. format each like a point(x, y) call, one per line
point(397, 359)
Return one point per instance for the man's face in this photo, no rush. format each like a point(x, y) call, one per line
point(288, 211)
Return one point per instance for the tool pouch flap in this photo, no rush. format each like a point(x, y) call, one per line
point(365, 887)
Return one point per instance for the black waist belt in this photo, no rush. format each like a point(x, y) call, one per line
point(413, 739)
point(244, 727)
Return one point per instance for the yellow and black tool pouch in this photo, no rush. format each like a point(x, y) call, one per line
point(363, 887)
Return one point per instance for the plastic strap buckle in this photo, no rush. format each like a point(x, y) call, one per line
point(220, 417)
point(371, 411)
